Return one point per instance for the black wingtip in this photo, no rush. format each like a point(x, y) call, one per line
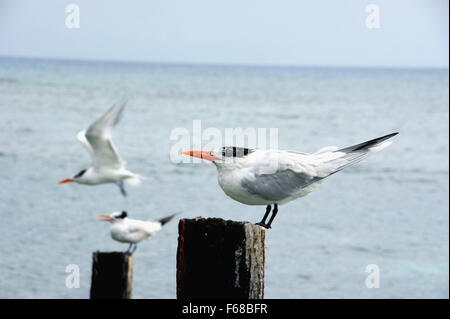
point(391, 135)
point(384, 138)
point(167, 219)
point(368, 143)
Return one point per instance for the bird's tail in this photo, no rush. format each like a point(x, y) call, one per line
point(167, 219)
point(344, 157)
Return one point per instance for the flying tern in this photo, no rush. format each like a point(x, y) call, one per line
point(107, 166)
point(275, 177)
point(132, 231)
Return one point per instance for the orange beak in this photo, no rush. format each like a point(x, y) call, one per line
point(202, 154)
point(105, 218)
point(67, 180)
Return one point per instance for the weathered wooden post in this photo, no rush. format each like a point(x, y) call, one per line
point(112, 275)
point(219, 258)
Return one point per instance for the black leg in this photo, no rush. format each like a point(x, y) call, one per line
point(274, 213)
point(129, 248)
point(122, 188)
point(263, 221)
point(134, 248)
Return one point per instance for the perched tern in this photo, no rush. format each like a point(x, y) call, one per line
point(132, 231)
point(107, 166)
point(273, 177)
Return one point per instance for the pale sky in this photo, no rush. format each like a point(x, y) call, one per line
point(412, 33)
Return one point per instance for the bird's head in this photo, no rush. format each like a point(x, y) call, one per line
point(223, 157)
point(77, 178)
point(114, 217)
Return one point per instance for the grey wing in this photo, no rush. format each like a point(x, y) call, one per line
point(143, 228)
point(81, 136)
point(278, 186)
point(136, 232)
point(99, 137)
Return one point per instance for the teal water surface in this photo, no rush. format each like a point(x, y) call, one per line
point(390, 210)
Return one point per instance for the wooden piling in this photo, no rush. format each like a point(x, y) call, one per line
point(219, 258)
point(112, 275)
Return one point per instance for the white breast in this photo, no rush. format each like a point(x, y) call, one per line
point(133, 231)
point(230, 182)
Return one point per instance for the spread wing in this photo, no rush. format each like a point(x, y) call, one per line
point(82, 138)
point(97, 139)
